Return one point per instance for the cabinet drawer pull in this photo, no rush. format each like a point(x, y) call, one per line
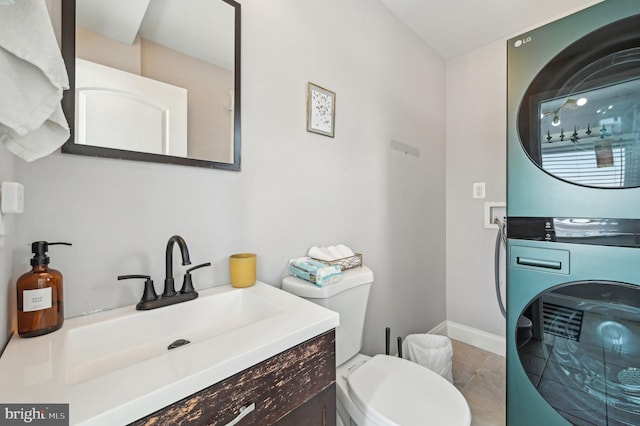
point(244, 411)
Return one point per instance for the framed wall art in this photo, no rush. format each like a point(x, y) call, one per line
point(321, 110)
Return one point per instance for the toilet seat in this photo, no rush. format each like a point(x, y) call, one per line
point(393, 391)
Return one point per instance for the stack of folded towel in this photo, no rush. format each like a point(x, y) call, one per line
point(339, 251)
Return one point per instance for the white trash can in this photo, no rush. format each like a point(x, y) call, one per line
point(430, 350)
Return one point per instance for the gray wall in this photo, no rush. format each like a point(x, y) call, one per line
point(476, 152)
point(296, 189)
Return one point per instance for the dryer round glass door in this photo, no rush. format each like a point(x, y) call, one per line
point(582, 353)
point(579, 120)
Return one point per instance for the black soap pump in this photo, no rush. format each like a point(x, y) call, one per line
point(40, 296)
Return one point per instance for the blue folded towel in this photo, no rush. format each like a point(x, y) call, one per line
point(315, 272)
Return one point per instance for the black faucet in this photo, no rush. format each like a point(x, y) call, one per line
point(169, 288)
point(150, 299)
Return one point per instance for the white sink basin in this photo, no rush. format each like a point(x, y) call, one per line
point(113, 367)
point(133, 336)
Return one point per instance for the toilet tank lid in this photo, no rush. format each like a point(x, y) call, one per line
point(350, 278)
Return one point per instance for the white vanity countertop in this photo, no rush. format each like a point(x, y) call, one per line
point(34, 370)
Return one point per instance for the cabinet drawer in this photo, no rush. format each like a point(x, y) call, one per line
point(276, 386)
point(318, 411)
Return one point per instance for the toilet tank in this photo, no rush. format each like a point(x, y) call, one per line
point(348, 297)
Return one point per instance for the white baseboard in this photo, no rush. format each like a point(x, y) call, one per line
point(472, 336)
point(440, 329)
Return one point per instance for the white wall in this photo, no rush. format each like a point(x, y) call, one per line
point(296, 189)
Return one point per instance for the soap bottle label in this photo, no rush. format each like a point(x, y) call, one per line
point(36, 300)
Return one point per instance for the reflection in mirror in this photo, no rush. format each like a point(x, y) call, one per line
point(154, 80)
point(591, 138)
point(587, 132)
point(582, 352)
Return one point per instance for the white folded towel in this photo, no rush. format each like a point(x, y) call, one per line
point(319, 253)
point(333, 251)
point(339, 251)
point(344, 251)
point(32, 79)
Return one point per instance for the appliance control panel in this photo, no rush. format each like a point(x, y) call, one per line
point(595, 231)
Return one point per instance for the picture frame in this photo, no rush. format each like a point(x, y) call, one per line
point(321, 110)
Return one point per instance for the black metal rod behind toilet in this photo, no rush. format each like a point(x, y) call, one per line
point(387, 341)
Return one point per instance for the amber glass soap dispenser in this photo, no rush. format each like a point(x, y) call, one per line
point(40, 301)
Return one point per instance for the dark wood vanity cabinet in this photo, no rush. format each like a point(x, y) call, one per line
point(295, 387)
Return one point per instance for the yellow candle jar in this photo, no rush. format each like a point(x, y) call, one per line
point(242, 269)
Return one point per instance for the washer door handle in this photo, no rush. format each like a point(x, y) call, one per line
point(540, 263)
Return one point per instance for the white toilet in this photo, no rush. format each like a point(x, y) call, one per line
point(379, 390)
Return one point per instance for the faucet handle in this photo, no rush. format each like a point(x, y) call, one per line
point(149, 293)
point(187, 284)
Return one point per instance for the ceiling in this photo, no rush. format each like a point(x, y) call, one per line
point(453, 27)
point(450, 27)
point(203, 29)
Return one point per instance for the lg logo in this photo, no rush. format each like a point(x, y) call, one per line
point(522, 41)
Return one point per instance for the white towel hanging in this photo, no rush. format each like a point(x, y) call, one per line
point(32, 80)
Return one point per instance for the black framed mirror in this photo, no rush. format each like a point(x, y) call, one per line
point(154, 80)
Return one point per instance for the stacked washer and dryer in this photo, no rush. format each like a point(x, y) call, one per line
point(573, 214)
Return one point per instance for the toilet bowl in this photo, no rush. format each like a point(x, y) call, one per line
point(378, 390)
point(386, 390)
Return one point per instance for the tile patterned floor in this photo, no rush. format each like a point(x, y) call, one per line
point(481, 377)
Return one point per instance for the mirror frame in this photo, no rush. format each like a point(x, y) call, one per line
point(68, 103)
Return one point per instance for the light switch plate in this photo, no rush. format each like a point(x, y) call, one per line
point(478, 190)
point(11, 197)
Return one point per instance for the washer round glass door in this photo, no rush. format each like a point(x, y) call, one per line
point(579, 120)
point(582, 351)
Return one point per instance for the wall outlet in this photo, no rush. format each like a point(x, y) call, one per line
point(478, 190)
